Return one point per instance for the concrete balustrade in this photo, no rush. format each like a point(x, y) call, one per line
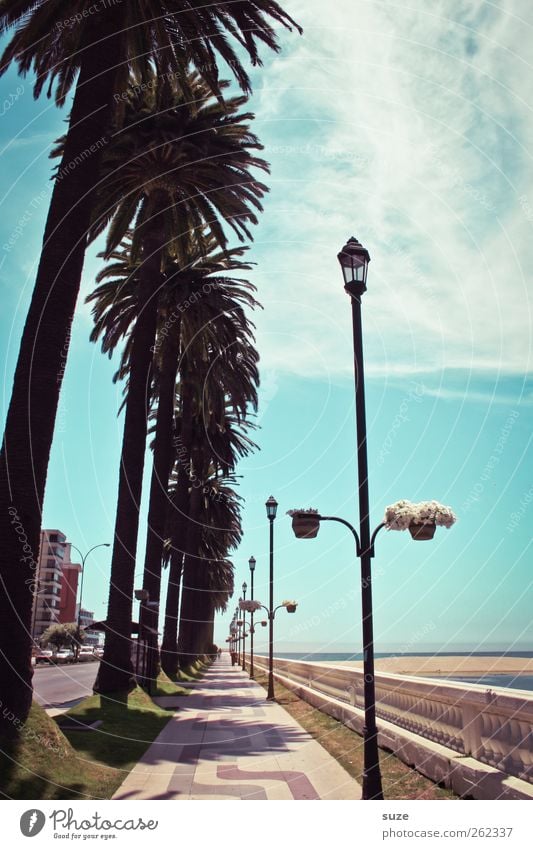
point(493, 726)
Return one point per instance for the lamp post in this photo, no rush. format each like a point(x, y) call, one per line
point(244, 588)
point(237, 613)
point(271, 508)
point(233, 639)
point(83, 559)
point(251, 564)
point(290, 607)
point(354, 259)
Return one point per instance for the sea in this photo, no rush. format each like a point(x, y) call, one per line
point(513, 682)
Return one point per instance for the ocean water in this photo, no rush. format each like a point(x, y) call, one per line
point(513, 682)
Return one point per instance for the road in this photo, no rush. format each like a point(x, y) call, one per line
point(56, 686)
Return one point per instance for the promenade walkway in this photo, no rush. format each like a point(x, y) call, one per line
point(226, 741)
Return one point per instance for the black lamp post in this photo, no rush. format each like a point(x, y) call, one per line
point(237, 613)
point(83, 559)
point(251, 564)
point(354, 259)
point(271, 508)
point(244, 588)
point(233, 639)
point(290, 607)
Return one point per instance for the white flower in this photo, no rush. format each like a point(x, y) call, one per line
point(399, 516)
point(250, 605)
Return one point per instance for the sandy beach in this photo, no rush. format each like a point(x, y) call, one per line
point(446, 665)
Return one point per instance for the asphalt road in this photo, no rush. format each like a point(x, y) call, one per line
point(56, 686)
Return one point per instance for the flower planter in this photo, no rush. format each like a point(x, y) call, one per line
point(291, 608)
point(420, 531)
point(305, 526)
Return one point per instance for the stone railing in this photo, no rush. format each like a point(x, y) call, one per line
point(492, 726)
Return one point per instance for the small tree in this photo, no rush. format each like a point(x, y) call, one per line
point(62, 634)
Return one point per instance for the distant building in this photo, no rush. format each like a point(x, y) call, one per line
point(57, 583)
point(92, 638)
point(70, 573)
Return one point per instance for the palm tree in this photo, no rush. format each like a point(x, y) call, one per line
point(217, 383)
point(177, 170)
point(201, 295)
point(66, 44)
point(221, 534)
point(218, 438)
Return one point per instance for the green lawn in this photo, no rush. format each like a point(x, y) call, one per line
point(166, 687)
point(193, 672)
point(47, 763)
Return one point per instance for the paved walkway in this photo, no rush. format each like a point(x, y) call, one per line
point(227, 742)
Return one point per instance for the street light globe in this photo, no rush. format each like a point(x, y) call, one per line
point(354, 259)
point(251, 563)
point(271, 507)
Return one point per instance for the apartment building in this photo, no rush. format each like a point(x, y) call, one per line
point(57, 583)
point(92, 638)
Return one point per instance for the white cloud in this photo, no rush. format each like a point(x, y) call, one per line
point(409, 129)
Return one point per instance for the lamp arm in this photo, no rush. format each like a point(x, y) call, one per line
point(373, 537)
point(348, 525)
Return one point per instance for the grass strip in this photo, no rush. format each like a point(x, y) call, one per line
point(48, 763)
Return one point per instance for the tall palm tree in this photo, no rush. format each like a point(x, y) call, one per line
point(221, 535)
point(201, 296)
point(66, 45)
point(218, 438)
point(178, 170)
point(211, 427)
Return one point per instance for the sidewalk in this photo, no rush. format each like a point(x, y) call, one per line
point(227, 742)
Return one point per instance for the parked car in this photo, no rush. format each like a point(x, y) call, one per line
point(63, 656)
point(86, 653)
point(43, 657)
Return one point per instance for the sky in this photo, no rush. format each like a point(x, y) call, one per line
point(410, 128)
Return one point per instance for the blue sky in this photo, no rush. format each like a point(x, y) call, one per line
point(412, 130)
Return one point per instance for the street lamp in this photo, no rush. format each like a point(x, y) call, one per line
point(244, 588)
point(271, 508)
point(251, 564)
point(233, 639)
point(290, 607)
point(83, 559)
point(238, 636)
point(354, 259)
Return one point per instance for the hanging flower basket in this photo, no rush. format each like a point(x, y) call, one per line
point(291, 608)
point(426, 530)
point(249, 605)
point(421, 519)
point(305, 523)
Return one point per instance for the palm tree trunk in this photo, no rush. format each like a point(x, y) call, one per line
point(158, 503)
point(169, 646)
point(203, 635)
point(190, 613)
point(41, 362)
point(116, 670)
